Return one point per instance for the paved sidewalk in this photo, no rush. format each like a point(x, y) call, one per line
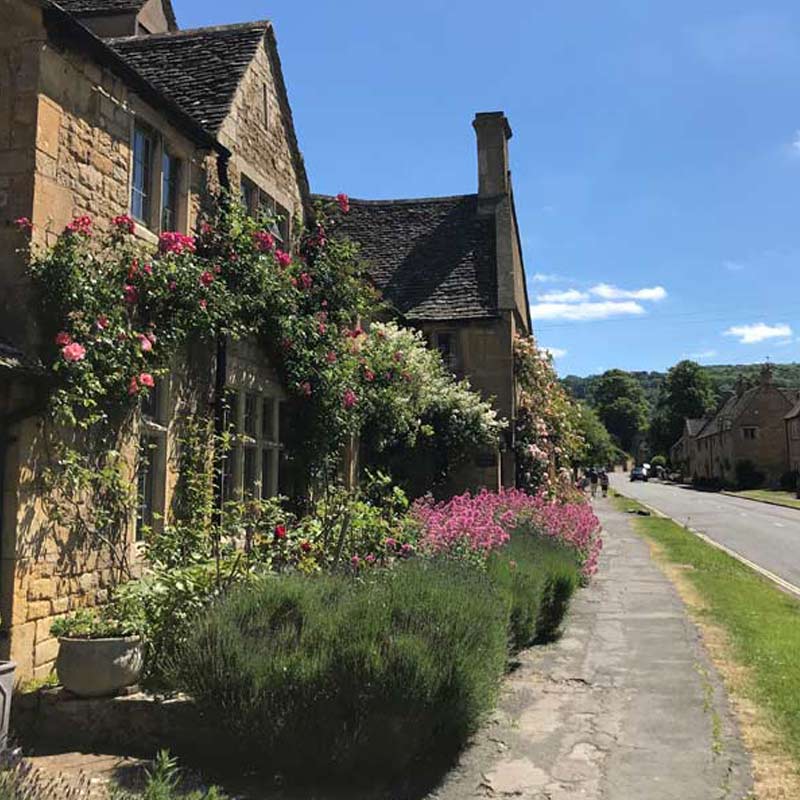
point(626, 706)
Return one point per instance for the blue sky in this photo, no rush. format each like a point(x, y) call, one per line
point(655, 158)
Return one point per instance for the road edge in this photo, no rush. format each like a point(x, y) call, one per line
point(757, 500)
point(781, 583)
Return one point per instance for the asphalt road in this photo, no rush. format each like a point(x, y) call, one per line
point(767, 535)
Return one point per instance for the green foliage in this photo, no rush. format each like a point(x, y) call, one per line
point(120, 618)
point(748, 475)
point(536, 578)
point(620, 403)
point(164, 783)
point(599, 449)
point(687, 392)
point(658, 461)
point(363, 674)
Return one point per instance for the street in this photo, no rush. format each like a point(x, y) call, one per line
point(766, 535)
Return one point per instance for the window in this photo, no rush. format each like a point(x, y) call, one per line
point(257, 201)
point(170, 173)
point(142, 178)
point(249, 192)
point(151, 477)
point(445, 343)
point(250, 468)
point(750, 433)
point(145, 507)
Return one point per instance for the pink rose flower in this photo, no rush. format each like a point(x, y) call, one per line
point(283, 259)
point(146, 379)
point(369, 375)
point(349, 399)
point(204, 304)
point(344, 202)
point(102, 322)
point(133, 386)
point(74, 352)
point(24, 224)
point(207, 278)
point(177, 243)
point(265, 242)
point(131, 294)
point(306, 280)
point(145, 344)
point(63, 339)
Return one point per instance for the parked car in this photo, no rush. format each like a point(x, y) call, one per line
point(639, 474)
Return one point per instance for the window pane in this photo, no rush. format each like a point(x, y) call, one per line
point(250, 471)
point(266, 472)
point(249, 195)
point(142, 175)
point(268, 420)
point(150, 403)
point(170, 172)
point(231, 415)
point(250, 406)
point(144, 511)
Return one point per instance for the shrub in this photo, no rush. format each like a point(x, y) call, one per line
point(747, 475)
point(537, 578)
point(338, 676)
point(789, 480)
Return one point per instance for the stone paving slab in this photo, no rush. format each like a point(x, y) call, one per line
point(626, 706)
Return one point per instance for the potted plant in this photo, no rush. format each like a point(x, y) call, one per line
point(6, 690)
point(100, 653)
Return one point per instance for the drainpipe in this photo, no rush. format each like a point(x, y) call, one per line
point(221, 367)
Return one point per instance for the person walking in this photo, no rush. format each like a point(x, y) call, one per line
point(593, 480)
point(604, 483)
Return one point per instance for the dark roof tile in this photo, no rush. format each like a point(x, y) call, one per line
point(199, 70)
point(79, 7)
point(433, 258)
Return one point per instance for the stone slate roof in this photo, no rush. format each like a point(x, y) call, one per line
point(78, 7)
point(199, 70)
point(694, 426)
point(736, 405)
point(433, 258)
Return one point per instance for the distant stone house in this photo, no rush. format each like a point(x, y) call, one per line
point(792, 423)
point(750, 427)
point(452, 268)
point(146, 123)
point(683, 454)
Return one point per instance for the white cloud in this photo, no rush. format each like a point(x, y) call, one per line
point(758, 332)
point(545, 277)
point(734, 266)
point(581, 312)
point(702, 355)
point(567, 296)
point(556, 352)
point(796, 142)
point(608, 292)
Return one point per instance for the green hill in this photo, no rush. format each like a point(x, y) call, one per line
point(723, 376)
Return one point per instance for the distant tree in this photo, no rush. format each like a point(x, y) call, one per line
point(620, 403)
point(599, 447)
point(687, 392)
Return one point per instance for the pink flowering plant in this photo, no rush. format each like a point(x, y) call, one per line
point(474, 526)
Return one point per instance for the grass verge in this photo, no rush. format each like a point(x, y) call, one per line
point(787, 499)
point(760, 623)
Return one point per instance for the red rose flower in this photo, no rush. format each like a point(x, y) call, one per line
point(280, 531)
point(265, 242)
point(124, 224)
point(131, 294)
point(344, 202)
point(63, 339)
point(283, 259)
point(24, 224)
point(102, 322)
point(82, 226)
point(305, 547)
point(146, 379)
point(349, 399)
point(204, 304)
point(207, 278)
point(306, 280)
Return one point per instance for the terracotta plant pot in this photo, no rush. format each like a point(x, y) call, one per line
point(99, 667)
point(6, 690)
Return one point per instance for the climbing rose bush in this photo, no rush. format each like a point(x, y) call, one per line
point(476, 525)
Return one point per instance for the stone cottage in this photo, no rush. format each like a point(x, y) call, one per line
point(107, 108)
point(683, 454)
point(452, 268)
point(792, 422)
point(749, 428)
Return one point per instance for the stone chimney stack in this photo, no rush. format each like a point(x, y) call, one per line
point(493, 132)
point(766, 374)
